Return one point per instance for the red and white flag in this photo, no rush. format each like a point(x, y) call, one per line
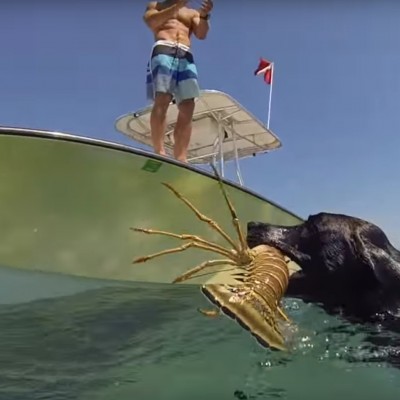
point(265, 67)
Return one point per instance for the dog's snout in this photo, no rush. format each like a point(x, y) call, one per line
point(254, 233)
point(253, 225)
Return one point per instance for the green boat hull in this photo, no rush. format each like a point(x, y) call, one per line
point(67, 204)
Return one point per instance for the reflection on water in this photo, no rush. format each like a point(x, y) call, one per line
point(148, 341)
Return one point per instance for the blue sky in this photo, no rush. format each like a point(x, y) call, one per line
point(76, 65)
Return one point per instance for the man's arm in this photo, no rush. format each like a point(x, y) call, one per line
point(155, 18)
point(200, 27)
point(200, 20)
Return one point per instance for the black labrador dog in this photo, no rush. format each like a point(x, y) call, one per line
point(347, 264)
point(348, 267)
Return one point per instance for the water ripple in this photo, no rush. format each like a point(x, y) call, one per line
point(122, 340)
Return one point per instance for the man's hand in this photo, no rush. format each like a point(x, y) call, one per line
point(206, 7)
point(154, 16)
point(201, 26)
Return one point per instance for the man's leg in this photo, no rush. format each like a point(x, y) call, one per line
point(158, 121)
point(183, 129)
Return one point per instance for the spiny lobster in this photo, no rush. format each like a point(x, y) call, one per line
point(261, 277)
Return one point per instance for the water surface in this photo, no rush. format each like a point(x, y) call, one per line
point(69, 338)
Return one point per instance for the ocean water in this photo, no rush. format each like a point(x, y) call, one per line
point(69, 338)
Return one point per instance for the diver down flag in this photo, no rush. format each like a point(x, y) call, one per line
point(265, 67)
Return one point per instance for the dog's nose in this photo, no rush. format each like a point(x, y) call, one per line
point(253, 237)
point(253, 225)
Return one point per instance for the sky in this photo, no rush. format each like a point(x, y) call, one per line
point(76, 65)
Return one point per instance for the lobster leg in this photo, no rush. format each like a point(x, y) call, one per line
point(174, 250)
point(203, 217)
point(282, 314)
point(206, 264)
point(213, 246)
point(235, 219)
point(212, 313)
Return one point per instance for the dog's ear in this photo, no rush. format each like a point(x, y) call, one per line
point(293, 253)
point(385, 268)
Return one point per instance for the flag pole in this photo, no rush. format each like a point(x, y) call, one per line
point(270, 94)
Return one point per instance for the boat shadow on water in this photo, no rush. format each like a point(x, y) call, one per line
point(65, 344)
point(80, 344)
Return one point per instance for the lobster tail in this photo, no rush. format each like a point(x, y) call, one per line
point(254, 303)
point(263, 329)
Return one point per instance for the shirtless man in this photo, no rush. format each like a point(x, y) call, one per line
point(171, 71)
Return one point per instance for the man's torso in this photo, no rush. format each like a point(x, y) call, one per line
point(177, 29)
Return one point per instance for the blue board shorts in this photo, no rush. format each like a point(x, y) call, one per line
point(172, 70)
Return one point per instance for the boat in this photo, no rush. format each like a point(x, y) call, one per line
point(68, 202)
